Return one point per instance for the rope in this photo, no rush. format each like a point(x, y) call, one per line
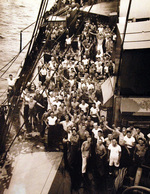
point(13, 141)
point(3, 93)
point(9, 114)
point(8, 62)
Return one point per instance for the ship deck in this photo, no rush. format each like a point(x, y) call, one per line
point(34, 172)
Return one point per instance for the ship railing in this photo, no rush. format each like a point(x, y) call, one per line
point(15, 100)
point(34, 36)
point(4, 70)
point(8, 123)
point(136, 189)
point(38, 24)
point(21, 34)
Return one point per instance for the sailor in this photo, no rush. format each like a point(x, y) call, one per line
point(100, 152)
point(114, 155)
point(51, 124)
point(11, 83)
point(26, 98)
point(33, 111)
point(85, 150)
point(42, 74)
point(74, 140)
point(140, 151)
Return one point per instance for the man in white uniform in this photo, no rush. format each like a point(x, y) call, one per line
point(114, 153)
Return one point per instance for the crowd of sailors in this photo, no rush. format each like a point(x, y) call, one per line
point(62, 3)
point(67, 102)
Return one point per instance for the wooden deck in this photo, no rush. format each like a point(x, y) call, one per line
point(34, 173)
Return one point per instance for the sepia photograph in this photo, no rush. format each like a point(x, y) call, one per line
point(75, 97)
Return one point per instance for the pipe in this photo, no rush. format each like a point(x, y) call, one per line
point(140, 188)
point(121, 53)
point(20, 41)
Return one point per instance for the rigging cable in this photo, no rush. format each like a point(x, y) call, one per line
point(56, 41)
point(8, 126)
point(14, 59)
point(26, 81)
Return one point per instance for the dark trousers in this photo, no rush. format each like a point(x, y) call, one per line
point(51, 135)
point(26, 112)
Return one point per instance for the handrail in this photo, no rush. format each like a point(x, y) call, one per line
point(26, 81)
point(139, 188)
point(35, 28)
point(38, 23)
point(21, 34)
point(28, 26)
point(8, 122)
point(14, 59)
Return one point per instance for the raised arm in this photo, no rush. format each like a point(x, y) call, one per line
point(40, 105)
point(93, 33)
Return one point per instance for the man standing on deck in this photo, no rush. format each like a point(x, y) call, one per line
point(51, 124)
point(33, 111)
point(85, 152)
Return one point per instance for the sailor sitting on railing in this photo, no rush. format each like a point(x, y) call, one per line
point(11, 83)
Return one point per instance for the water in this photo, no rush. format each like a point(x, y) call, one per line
point(15, 15)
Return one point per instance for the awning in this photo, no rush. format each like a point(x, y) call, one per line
point(137, 35)
point(137, 106)
point(56, 18)
point(139, 9)
point(104, 8)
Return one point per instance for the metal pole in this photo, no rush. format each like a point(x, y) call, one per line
point(20, 41)
point(124, 33)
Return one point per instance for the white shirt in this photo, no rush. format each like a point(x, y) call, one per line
point(93, 112)
point(100, 138)
point(97, 104)
point(95, 132)
point(114, 151)
point(71, 82)
point(69, 135)
point(100, 30)
point(66, 124)
point(129, 141)
point(85, 61)
point(51, 121)
point(68, 41)
point(84, 107)
point(99, 69)
point(106, 69)
point(43, 71)
point(11, 82)
point(90, 86)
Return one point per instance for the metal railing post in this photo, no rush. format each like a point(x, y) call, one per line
point(20, 41)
